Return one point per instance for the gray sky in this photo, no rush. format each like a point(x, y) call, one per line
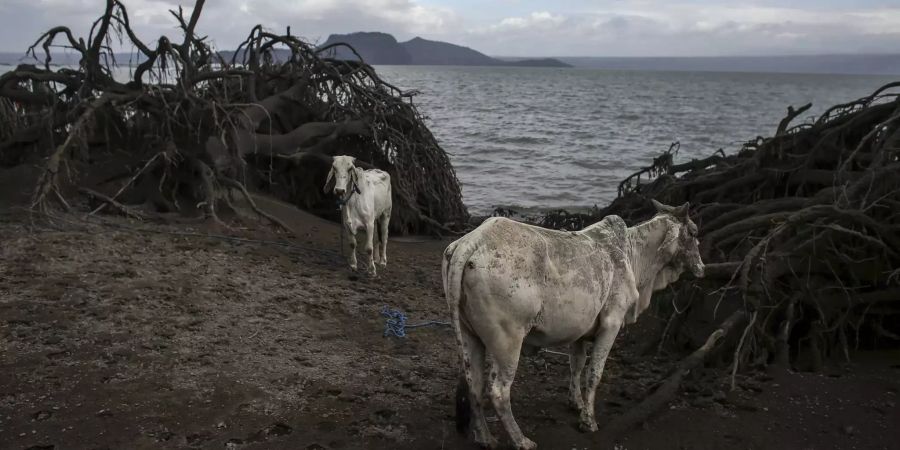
point(512, 27)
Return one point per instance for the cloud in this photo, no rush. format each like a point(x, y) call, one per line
point(229, 21)
point(656, 28)
point(542, 20)
point(742, 29)
point(509, 27)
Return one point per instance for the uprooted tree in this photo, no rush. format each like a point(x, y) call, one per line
point(800, 231)
point(191, 127)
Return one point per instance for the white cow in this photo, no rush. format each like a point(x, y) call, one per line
point(509, 284)
point(365, 200)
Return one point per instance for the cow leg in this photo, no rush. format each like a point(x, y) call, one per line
point(376, 244)
point(504, 349)
point(473, 359)
point(606, 336)
point(385, 221)
point(577, 358)
point(350, 234)
point(370, 257)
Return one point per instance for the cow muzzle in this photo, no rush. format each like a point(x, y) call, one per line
point(698, 269)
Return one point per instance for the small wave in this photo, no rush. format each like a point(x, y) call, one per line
point(600, 165)
point(523, 140)
point(542, 138)
point(556, 197)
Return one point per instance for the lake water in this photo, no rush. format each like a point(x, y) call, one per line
point(536, 138)
point(539, 138)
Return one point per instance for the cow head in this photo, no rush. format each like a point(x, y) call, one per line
point(343, 175)
point(680, 246)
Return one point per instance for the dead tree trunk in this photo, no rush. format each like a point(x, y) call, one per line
point(269, 118)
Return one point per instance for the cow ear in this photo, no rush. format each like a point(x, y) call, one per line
point(354, 178)
point(669, 240)
point(328, 180)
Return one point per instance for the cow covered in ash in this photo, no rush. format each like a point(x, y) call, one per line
point(364, 197)
point(510, 285)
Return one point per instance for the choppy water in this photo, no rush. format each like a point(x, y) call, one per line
point(539, 138)
point(536, 138)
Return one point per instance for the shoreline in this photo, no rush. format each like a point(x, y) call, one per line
point(139, 340)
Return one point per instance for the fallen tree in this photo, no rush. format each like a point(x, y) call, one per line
point(190, 127)
point(801, 228)
point(669, 387)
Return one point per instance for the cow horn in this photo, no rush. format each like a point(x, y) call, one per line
point(682, 211)
point(661, 207)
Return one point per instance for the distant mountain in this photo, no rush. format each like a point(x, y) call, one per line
point(437, 53)
point(382, 48)
point(375, 48)
point(859, 64)
point(16, 58)
point(535, 62)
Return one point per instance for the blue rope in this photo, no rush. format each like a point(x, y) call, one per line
point(343, 201)
point(395, 323)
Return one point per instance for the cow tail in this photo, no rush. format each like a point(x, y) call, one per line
point(453, 265)
point(463, 405)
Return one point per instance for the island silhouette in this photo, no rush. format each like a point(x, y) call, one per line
point(383, 48)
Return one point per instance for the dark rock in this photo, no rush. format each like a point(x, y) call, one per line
point(197, 439)
point(275, 430)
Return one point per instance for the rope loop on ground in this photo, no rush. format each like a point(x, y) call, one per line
point(395, 322)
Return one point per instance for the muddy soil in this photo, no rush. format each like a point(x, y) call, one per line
point(112, 338)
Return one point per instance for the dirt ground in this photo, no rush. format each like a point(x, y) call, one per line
point(116, 339)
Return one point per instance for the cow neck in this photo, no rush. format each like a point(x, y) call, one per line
point(643, 245)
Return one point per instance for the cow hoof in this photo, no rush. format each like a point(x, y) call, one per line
point(587, 426)
point(526, 444)
point(577, 407)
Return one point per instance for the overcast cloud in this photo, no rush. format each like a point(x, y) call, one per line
point(512, 27)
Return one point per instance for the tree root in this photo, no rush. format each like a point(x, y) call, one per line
point(122, 209)
point(666, 392)
point(274, 220)
point(233, 118)
point(803, 224)
point(50, 178)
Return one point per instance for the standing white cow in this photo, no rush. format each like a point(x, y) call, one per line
point(365, 200)
point(509, 284)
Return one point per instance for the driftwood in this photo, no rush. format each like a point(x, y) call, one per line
point(802, 228)
point(668, 389)
point(190, 124)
